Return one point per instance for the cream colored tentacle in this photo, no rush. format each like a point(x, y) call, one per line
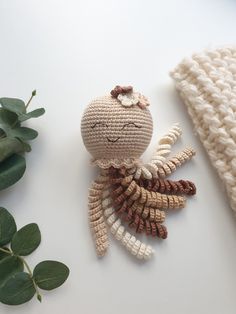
point(163, 150)
point(133, 245)
point(175, 162)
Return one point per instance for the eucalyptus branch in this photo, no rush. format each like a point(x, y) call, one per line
point(18, 283)
point(39, 297)
point(26, 106)
point(14, 138)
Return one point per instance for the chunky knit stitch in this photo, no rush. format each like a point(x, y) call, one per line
point(207, 84)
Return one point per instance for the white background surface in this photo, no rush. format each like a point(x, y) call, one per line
point(73, 51)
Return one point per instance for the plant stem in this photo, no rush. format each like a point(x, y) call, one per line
point(5, 251)
point(31, 97)
point(39, 297)
point(26, 106)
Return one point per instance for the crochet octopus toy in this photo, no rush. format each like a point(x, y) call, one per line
point(116, 130)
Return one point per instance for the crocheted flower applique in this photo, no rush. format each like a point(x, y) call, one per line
point(128, 97)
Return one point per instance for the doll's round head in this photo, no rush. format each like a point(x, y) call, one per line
point(117, 128)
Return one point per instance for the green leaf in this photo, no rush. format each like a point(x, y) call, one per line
point(18, 289)
point(8, 267)
point(11, 170)
point(33, 114)
point(13, 105)
point(4, 254)
point(7, 119)
point(49, 275)
point(34, 93)
point(10, 146)
point(23, 133)
point(7, 226)
point(39, 298)
point(2, 133)
point(26, 146)
point(26, 240)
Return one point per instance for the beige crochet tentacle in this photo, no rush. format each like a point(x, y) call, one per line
point(151, 199)
point(133, 245)
point(96, 219)
point(163, 150)
point(175, 162)
point(145, 212)
point(165, 144)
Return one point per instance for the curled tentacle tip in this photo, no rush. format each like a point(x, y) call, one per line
point(152, 251)
point(177, 125)
point(101, 255)
point(191, 150)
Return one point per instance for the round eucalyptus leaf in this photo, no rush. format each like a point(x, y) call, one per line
point(4, 254)
point(33, 114)
point(11, 170)
point(23, 133)
point(25, 145)
point(7, 119)
point(8, 267)
point(26, 240)
point(49, 275)
point(18, 289)
point(2, 133)
point(13, 104)
point(10, 146)
point(7, 226)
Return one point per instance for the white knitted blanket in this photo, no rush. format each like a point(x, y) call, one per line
point(207, 84)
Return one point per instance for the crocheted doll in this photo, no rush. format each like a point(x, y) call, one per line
point(116, 130)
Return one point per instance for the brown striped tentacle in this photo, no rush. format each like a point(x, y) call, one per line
point(142, 211)
point(140, 202)
point(150, 227)
point(169, 186)
point(152, 199)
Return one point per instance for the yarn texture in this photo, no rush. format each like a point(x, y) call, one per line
point(207, 84)
point(115, 135)
point(116, 130)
